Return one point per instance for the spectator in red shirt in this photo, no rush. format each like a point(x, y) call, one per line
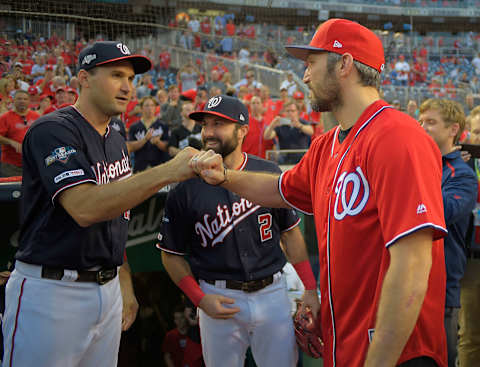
point(269, 106)
point(45, 83)
point(165, 59)
point(44, 104)
point(283, 98)
point(177, 345)
point(205, 26)
point(13, 127)
point(221, 68)
point(230, 28)
point(254, 142)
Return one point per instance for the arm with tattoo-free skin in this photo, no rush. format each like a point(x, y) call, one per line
point(403, 291)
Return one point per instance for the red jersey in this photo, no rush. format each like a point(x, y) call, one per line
point(380, 184)
point(13, 126)
point(254, 142)
point(182, 350)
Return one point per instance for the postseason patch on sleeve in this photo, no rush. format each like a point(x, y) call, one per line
point(60, 154)
point(67, 174)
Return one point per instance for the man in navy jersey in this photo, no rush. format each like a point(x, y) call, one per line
point(233, 248)
point(64, 298)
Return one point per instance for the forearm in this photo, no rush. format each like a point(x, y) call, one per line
point(179, 270)
point(6, 141)
point(403, 291)
point(135, 145)
point(162, 145)
point(125, 278)
point(295, 247)
point(81, 201)
point(173, 151)
point(176, 266)
point(257, 187)
point(269, 132)
point(297, 255)
point(306, 129)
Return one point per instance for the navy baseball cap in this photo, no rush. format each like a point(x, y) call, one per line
point(101, 53)
point(229, 108)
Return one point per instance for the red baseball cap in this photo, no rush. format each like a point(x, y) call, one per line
point(72, 90)
point(188, 95)
point(32, 90)
point(298, 95)
point(344, 36)
point(61, 88)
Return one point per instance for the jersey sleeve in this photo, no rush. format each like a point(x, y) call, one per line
point(287, 219)
point(175, 232)
point(404, 169)
point(295, 184)
point(55, 152)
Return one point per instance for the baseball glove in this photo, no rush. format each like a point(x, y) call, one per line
point(308, 332)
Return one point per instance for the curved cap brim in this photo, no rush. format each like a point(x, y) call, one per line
point(199, 115)
point(141, 64)
point(301, 52)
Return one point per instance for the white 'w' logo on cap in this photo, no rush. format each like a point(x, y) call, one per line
point(123, 49)
point(337, 44)
point(214, 102)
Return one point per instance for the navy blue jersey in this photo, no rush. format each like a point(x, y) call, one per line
point(225, 236)
point(62, 150)
point(117, 124)
point(181, 137)
point(149, 154)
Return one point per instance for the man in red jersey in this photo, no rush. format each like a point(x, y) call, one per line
point(13, 127)
point(373, 185)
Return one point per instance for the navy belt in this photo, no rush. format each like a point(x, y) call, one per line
point(249, 287)
point(101, 276)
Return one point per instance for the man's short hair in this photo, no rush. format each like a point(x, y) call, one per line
point(146, 98)
point(451, 112)
point(173, 86)
point(475, 112)
point(369, 77)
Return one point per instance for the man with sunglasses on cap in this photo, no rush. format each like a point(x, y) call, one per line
point(373, 185)
point(64, 300)
point(233, 249)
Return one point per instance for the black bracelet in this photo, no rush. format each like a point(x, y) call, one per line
point(224, 175)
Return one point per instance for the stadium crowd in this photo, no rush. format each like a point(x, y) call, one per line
point(38, 77)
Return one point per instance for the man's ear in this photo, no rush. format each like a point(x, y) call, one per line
point(454, 128)
point(83, 78)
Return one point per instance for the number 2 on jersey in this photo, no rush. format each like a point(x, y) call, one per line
point(265, 221)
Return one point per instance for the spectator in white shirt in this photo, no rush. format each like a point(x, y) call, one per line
point(402, 68)
point(289, 84)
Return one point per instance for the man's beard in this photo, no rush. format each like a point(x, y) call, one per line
point(223, 148)
point(331, 101)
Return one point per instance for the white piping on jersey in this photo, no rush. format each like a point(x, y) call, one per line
point(285, 199)
point(334, 139)
point(245, 159)
point(414, 229)
point(71, 185)
point(169, 251)
point(330, 301)
point(292, 226)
